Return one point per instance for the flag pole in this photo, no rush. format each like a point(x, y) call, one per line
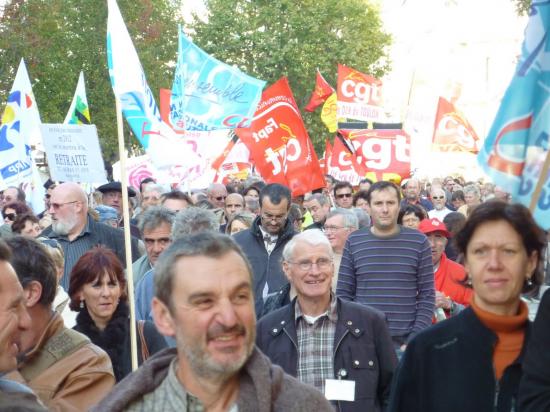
point(127, 239)
point(540, 183)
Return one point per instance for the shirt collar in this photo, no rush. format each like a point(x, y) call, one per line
point(331, 312)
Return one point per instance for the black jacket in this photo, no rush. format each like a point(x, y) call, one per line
point(115, 338)
point(265, 267)
point(534, 390)
point(449, 367)
point(362, 347)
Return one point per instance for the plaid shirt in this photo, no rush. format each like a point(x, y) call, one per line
point(315, 346)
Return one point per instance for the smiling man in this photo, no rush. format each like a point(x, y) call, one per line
point(389, 267)
point(316, 337)
point(203, 298)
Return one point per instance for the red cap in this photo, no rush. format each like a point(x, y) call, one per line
point(428, 226)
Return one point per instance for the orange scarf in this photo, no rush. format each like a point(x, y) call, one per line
point(510, 331)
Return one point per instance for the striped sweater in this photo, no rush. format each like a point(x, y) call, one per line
point(393, 274)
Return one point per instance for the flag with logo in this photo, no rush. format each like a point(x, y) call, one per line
point(208, 94)
point(517, 144)
point(79, 112)
point(328, 114)
point(279, 144)
point(452, 131)
point(359, 95)
point(320, 94)
point(19, 127)
point(165, 148)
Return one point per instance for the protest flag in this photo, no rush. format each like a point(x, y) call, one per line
point(515, 152)
point(359, 95)
point(452, 132)
point(208, 94)
point(19, 127)
point(165, 148)
point(322, 92)
point(328, 114)
point(327, 156)
point(79, 112)
point(279, 144)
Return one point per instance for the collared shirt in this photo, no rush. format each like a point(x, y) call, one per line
point(315, 345)
point(170, 395)
point(73, 250)
point(269, 240)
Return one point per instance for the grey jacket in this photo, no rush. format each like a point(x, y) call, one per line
point(263, 387)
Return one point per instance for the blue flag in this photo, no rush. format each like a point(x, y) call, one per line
point(515, 149)
point(208, 94)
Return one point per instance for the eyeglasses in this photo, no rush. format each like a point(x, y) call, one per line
point(57, 206)
point(220, 198)
point(10, 216)
point(438, 197)
point(342, 195)
point(47, 195)
point(332, 228)
point(322, 264)
point(276, 218)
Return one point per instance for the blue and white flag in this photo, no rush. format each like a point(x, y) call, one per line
point(208, 94)
point(165, 148)
point(515, 149)
point(19, 127)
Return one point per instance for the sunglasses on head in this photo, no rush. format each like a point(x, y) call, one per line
point(10, 216)
point(342, 195)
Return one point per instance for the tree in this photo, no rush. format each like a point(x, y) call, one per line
point(59, 38)
point(522, 6)
point(271, 38)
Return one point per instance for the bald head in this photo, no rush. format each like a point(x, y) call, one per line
point(234, 203)
point(68, 208)
point(216, 194)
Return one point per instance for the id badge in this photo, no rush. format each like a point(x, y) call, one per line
point(340, 390)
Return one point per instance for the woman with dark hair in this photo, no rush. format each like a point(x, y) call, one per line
point(238, 222)
point(252, 192)
point(411, 216)
point(98, 292)
point(12, 210)
point(26, 224)
point(473, 361)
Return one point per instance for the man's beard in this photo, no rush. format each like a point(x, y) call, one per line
point(63, 228)
point(204, 366)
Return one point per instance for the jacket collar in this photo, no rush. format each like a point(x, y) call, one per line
point(288, 230)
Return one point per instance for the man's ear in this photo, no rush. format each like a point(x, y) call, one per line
point(163, 318)
point(33, 293)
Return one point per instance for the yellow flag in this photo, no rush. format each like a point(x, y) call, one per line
point(328, 114)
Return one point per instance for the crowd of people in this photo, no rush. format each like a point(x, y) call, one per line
point(375, 297)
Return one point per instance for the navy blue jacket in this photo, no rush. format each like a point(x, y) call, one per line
point(265, 267)
point(362, 347)
point(449, 367)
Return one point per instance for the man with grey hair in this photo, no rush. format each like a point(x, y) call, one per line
point(439, 200)
point(151, 196)
point(472, 197)
point(204, 299)
point(312, 337)
point(412, 195)
point(187, 221)
point(155, 225)
point(318, 206)
point(338, 226)
point(77, 232)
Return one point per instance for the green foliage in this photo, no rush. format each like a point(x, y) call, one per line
point(273, 38)
point(522, 6)
point(59, 38)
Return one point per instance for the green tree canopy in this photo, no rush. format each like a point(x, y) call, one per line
point(59, 38)
point(273, 38)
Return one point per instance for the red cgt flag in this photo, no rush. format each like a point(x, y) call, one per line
point(279, 144)
point(322, 92)
point(452, 132)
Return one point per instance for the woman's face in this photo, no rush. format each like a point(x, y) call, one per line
point(31, 229)
point(498, 266)
point(237, 226)
point(101, 297)
point(9, 216)
point(251, 195)
point(410, 220)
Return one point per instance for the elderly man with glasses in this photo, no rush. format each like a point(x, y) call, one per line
point(439, 201)
point(77, 232)
point(342, 348)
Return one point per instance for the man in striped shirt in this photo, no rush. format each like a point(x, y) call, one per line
point(389, 267)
